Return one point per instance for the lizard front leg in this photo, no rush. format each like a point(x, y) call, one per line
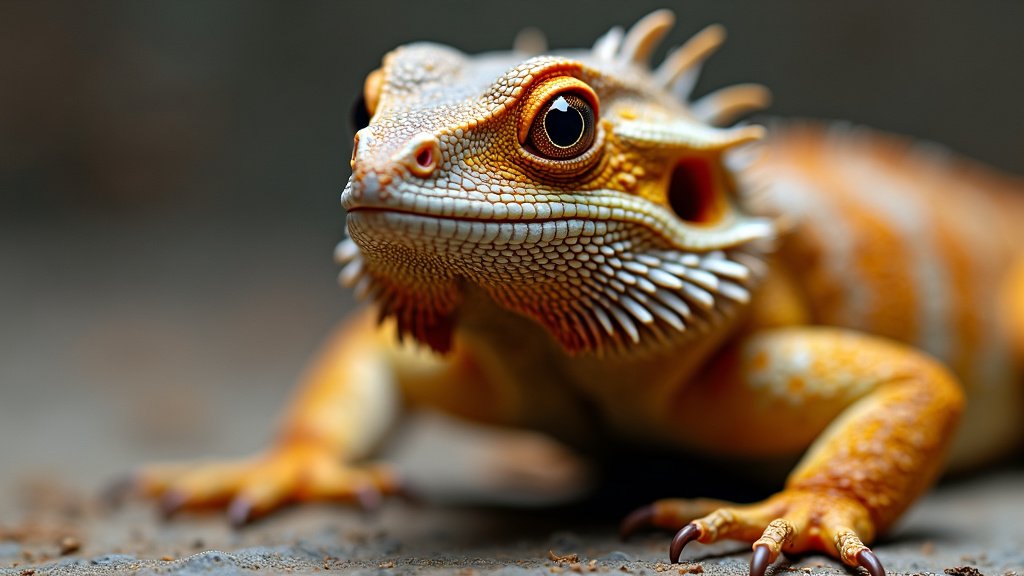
point(347, 401)
point(883, 416)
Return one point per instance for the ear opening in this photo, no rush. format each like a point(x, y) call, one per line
point(692, 192)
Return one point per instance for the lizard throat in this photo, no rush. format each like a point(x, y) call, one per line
point(597, 286)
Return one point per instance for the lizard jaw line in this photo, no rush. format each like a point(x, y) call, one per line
point(728, 234)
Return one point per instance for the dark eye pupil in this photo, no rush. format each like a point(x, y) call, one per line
point(564, 128)
point(563, 123)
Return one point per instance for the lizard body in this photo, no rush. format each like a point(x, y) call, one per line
point(565, 243)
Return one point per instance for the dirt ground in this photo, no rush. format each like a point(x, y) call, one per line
point(141, 360)
point(961, 527)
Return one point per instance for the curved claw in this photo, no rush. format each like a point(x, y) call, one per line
point(406, 491)
point(240, 512)
point(760, 561)
point(687, 534)
point(369, 498)
point(868, 560)
point(171, 503)
point(640, 518)
point(115, 492)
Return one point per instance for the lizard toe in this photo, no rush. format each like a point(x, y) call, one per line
point(251, 488)
point(793, 521)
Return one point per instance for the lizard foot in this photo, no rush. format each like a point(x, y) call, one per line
point(793, 521)
point(253, 487)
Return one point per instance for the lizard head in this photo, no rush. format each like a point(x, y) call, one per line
point(580, 189)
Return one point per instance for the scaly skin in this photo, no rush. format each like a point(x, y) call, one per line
point(681, 291)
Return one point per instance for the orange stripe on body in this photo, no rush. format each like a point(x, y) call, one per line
point(851, 260)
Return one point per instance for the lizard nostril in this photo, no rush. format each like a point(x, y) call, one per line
point(424, 158)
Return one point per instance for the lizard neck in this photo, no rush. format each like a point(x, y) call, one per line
point(617, 389)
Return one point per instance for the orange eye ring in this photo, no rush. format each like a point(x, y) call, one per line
point(559, 121)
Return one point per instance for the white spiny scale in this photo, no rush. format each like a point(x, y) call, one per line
point(664, 279)
point(674, 302)
point(701, 278)
point(603, 318)
point(626, 322)
point(345, 251)
point(625, 277)
point(636, 309)
point(698, 296)
point(612, 291)
point(351, 273)
point(734, 292)
point(666, 315)
point(646, 285)
point(607, 46)
point(363, 287)
point(756, 266)
point(675, 269)
point(586, 318)
point(688, 259)
point(635, 267)
point(648, 260)
point(726, 268)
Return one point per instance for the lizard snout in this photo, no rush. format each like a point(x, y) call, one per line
point(374, 169)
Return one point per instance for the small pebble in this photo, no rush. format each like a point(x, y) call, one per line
point(69, 545)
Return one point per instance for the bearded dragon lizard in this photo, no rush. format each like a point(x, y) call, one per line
point(565, 241)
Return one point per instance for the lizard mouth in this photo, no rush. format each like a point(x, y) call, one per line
point(551, 213)
point(421, 229)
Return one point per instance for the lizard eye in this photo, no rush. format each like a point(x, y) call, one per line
point(360, 114)
point(558, 127)
point(563, 128)
point(366, 104)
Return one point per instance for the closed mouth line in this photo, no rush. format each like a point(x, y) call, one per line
point(525, 220)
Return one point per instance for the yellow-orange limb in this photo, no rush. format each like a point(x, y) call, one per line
point(878, 417)
point(346, 403)
point(1013, 303)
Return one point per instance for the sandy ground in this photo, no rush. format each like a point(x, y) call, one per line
point(116, 353)
point(970, 525)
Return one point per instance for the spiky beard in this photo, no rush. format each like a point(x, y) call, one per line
point(595, 291)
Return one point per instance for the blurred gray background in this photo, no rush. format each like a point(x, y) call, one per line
point(170, 172)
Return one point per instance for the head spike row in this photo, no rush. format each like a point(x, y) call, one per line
point(644, 36)
point(530, 41)
point(689, 56)
point(725, 105)
point(607, 46)
point(686, 134)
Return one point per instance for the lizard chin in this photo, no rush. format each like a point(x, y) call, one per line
point(596, 286)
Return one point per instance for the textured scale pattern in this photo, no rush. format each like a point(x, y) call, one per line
point(584, 245)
